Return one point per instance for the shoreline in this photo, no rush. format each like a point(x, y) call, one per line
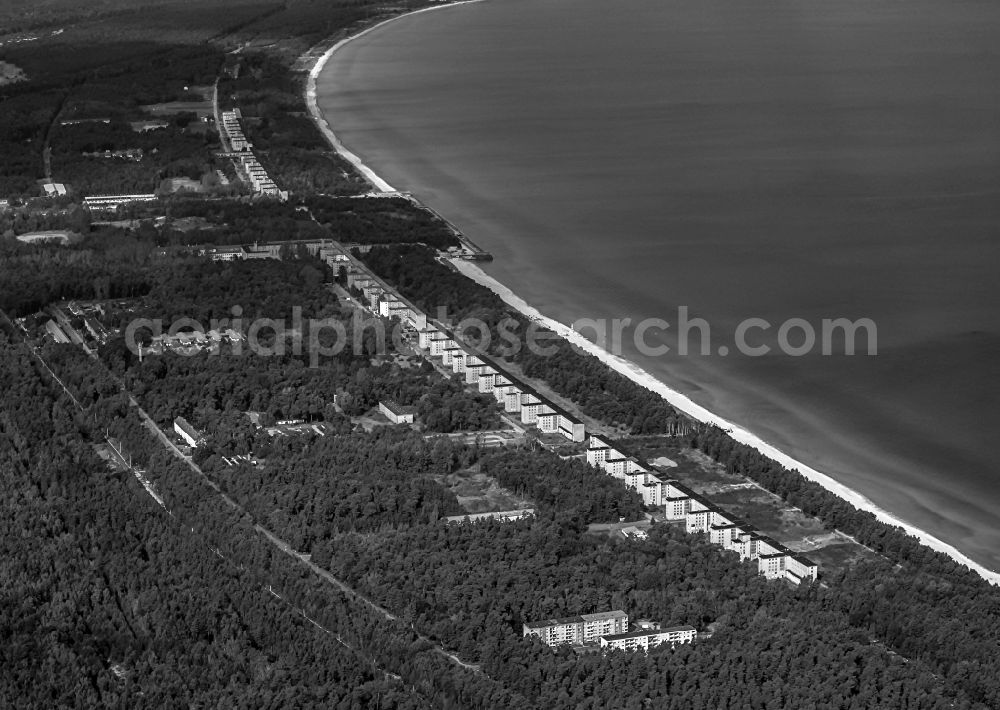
point(370, 175)
point(635, 373)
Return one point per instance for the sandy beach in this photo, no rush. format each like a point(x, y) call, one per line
point(370, 175)
point(629, 369)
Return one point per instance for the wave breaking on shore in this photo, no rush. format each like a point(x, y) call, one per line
point(629, 369)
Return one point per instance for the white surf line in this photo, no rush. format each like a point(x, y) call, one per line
point(324, 126)
point(683, 403)
point(635, 373)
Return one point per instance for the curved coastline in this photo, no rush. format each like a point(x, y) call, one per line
point(676, 398)
point(370, 175)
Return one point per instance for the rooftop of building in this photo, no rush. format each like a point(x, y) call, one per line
point(545, 623)
point(397, 408)
point(604, 615)
point(185, 426)
point(599, 616)
point(649, 632)
point(771, 541)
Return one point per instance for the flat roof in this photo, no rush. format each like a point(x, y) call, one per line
point(650, 632)
point(554, 622)
point(803, 560)
point(602, 615)
point(599, 616)
point(772, 542)
point(186, 427)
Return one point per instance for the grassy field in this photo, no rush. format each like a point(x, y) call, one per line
point(479, 493)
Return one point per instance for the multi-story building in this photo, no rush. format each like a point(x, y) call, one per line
point(646, 639)
point(598, 451)
point(512, 400)
point(799, 568)
point(653, 491)
point(503, 516)
point(424, 336)
point(473, 373)
point(530, 404)
point(679, 502)
point(487, 377)
point(578, 630)
point(96, 203)
point(440, 341)
point(450, 348)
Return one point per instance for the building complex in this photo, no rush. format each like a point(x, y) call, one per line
point(578, 630)
point(774, 560)
point(647, 638)
point(244, 158)
point(440, 341)
point(609, 629)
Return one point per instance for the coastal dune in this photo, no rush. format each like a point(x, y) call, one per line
point(627, 368)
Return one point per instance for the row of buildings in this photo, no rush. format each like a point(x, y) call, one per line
point(679, 502)
point(490, 377)
point(244, 158)
point(240, 252)
point(503, 516)
point(110, 203)
point(434, 337)
point(380, 297)
point(774, 560)
point(609, 629)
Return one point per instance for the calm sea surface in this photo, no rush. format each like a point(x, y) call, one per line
point(765, 159)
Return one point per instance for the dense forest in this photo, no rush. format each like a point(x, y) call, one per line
point(568, 485)
point(284, 138)
point(759, 628)
point(316, 570)
point(380, 220)
point(114, 604)
point(232, 534)
point(111, 263)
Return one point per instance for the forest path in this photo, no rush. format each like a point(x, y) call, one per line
point(270, 536)
point(283, 545)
